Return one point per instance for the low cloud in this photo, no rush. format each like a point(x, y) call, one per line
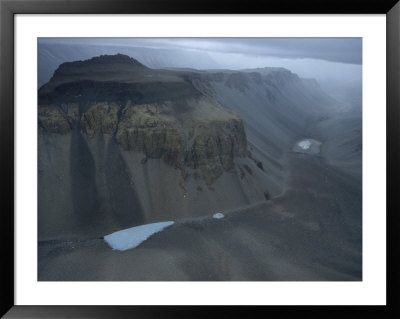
point(343, 50)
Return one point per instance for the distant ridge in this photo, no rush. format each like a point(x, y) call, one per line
point(118, 67)
point(104, 59)
point(102, 63)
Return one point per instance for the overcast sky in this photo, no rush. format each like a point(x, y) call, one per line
point(344, 50)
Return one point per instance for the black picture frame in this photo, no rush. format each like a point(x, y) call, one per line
point(8, 8)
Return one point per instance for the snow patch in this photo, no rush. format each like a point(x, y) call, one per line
point(305, 145)
point(134, 236)
point(218, 215)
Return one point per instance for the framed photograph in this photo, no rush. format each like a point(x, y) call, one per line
point(174, 154)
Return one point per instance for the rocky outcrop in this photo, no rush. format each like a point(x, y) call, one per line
point(145, 129)
point(204, 148)
point(90, 122)
point(58, 119)
point(213, 151)
point(101, 117)
point(109, 123)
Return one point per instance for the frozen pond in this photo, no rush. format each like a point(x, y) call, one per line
point(307, 146)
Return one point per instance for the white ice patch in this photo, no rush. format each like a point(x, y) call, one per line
point(134, 236)
point(305, 145)
point(218, 215)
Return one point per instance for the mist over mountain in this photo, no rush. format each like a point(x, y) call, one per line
point(334, 63)
point(123, 144)
point(52, 55)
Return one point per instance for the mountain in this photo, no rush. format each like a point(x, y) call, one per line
point(121, 144)
point(51, 55)
point(124, 126)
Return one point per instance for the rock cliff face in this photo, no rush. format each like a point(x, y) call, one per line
point(58, 119)
point(102, 117)
point(204, 148)
point(213, 151)
point(145, 129)
point(53, 120)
